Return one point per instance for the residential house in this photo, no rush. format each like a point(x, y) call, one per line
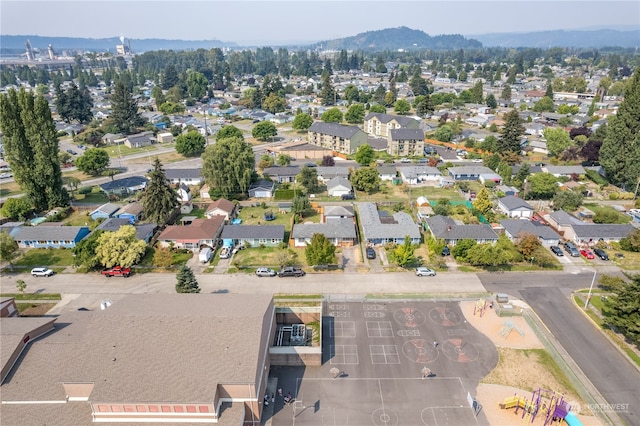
point(111, 138)
point(327, 173)
point(406, 142)
point(515, 207)
point(221, 207)
point(252, 235)
point(536, 129)
point(336, 137)
point(132, 212)
point(125, 186)
point(469, 172)
point(415, 175)
point(49, 236)
point(191, 177)
point(201, 232)
point(341, 232)
point(387, 172)
point(136, 334)
point(451, 231)
point(515, 228)
point(282, 174)
point(329, 213)
point(591, 233)
point(262, 189)
point(140, 139)
point(508, 190)
point(184, 193)
point(165, 137)
point(144, 231)
point(378, 227)
point(339, 186)
point(104, 211)
point(378, 124)
point(565, 171)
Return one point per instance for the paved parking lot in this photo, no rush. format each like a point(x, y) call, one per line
point(381, 350)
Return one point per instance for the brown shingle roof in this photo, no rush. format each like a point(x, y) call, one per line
point(222, 204)
point(199, 229)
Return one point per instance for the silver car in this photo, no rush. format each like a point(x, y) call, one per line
point(423, 271)
point(41, 272)
point(265, 272)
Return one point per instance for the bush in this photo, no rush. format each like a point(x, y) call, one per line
point(84, 190)
point(596, 177)
point(613, 196)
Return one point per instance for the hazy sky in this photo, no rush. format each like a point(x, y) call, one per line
point(262, 21)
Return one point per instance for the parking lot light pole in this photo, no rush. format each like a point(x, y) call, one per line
point(590, 290)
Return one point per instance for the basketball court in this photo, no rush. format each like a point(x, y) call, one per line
point(393, 363)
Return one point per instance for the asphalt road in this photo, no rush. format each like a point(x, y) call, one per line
point(548, 294)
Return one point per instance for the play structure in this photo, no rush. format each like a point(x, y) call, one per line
point(508, 327)
point(545, 403)
point(480, 306)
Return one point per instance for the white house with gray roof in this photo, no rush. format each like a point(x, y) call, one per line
point(452, 231)
point(336, 137)
point(415, 175)
point(567, 171)
point(586, 233)
point(379, 227)
point(339, 186)
point(469, 172)
point(341, 232)
point(515, 207)
point(327, 173)
point(252, 235)
point(190, 177)
point(337, 212)
point(515, 228)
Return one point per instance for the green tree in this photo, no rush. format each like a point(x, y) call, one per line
point(631, 242)
point(528, 244)
point(93, 161)
point(302, 121)
point(355, 114)
point(186, 281)
point(169, 77)
point(264, 130)
point(506, 93)
point(444, 133)
point(171, 108)
point(227, 166)
point(476, 92)
point(299, 205)
point(542, 186)
point(124, 109)
point(121, 247)
point(482, 202)
point(162, 257)
point(283, 160)
point(401, 106)
point(403, 254)
point(8, 248)
point(274, 103)
point(418, 84)
point(332, 115)
point(365, 179)
point(558, 140)
point(159, 199)
point(567, 200)
point(84, 253)
point(197, 84)
point(544, 104)
point(21, 286)
point(190, 144)
point(365, 154)
point(16, 208)
point(265, 162)
point(491, 101)
point(511, 132)
point(327, 93)
point(378, 108)
point(74, 104)
point(461, 250)
point(623, 309)
point(229, 131)
point(308, 178)
point(157, 95)
point(31, 148)
point(423, 105)
point(320, 251)
point(620, 151)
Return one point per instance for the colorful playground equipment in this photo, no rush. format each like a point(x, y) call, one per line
point(480, 307)
point(544, 402)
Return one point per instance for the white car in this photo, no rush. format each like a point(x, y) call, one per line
point(265, 272)
point(6, 175)
point(422, 271)
point(41, 272)
point(225, 252)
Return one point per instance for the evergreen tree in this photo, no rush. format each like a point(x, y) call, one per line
point(506, 93)
point(423, 105)
point(169, 77)
point(187, 282)
point(320, 251)
point(476, 92)
point(513, 129)
point(308, 178)
point(549, 92)
point(620, 151)
point(31, 148)
point(491, 101)
point(418, 84)
point(623, 309)
point(328, 93)
point(404, 253)
point(159, 198)
point(482, 202)
point(124, 109)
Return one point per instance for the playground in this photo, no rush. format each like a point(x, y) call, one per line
point(519, 374)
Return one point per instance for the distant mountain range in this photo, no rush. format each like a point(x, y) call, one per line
point(386, 39)
point(561, 38)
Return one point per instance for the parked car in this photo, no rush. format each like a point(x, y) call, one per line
point(348, 197)
point(265, 272)
point(290, 271)
point(117, 271)
point(587, 254)
point(72, 152)
point(571, 249)
point(371, 253)
point(556, 250)
point(41, 272)
point(446, 251)
point(205, 254)
point(225, 252)
point(601, 254)
point(6, 175)
point(422, 271)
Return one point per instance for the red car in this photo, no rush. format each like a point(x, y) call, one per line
point(587, 254)
point(117, 271)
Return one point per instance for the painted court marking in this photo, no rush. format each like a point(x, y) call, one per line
point(343, 329)
point(344, 354)
point(384, 354)
point(379, 329)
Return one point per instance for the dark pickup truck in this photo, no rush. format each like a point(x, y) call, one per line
point(117, 271)
point(289, 271)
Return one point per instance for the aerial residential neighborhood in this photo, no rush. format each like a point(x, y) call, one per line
point(387, 229)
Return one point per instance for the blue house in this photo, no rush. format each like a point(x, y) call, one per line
point(49, 236)
point(104, 211)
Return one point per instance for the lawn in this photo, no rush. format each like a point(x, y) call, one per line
point(254, 216)
point(179, 257)
point(272, 257)
point(53, 258)
point(597, 208)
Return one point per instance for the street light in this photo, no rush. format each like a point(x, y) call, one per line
point(590, 290)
